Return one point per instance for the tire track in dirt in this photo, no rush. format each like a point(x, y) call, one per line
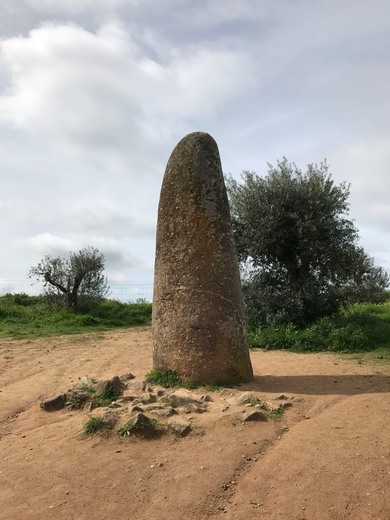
point(328, 458)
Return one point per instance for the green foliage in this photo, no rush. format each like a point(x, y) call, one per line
point(165, 378)
point(23, 316)
point(169, 379)
point(272, 337)
point(217, 387)
point(298, 248)
point(75, 402)
point(96, 424)
point(373, 320)
point(77, 278)
point(276, 414)
point(357, 327)
point(105, 397)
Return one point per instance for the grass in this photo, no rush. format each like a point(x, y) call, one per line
point(165, 378)
point(217, 387)
point(95, 425)
point(169, 379)
point(356, 328)
point(86, 395)
point(27, 317)
point(277, 414)
point(104, 397)
point(75, 402)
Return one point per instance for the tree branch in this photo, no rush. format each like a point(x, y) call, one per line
point(54, 283)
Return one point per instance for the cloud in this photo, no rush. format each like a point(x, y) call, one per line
point(102, 93)
point(106, 219)
point(48, 244)
point(356, 160)
point(76, 6)
point(121, 264)
point(94, 94)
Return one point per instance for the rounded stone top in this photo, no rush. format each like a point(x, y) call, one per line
point(194, 143)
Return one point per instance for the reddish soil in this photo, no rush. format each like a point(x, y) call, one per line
point(327, 458)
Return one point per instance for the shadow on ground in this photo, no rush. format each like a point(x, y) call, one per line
point(320, 384)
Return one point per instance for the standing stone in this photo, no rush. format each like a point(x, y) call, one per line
point(199, 327)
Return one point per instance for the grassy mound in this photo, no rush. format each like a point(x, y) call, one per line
point(23, 316)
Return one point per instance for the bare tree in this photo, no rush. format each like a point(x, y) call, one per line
point(79, 275)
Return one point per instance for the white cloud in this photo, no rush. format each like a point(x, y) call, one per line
point(105, 218)
point(76, 6)
point(365, 163)
point(48, 244)
point(101, 91)
point(121, 265)
point(94, 94)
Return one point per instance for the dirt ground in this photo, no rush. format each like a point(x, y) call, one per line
point(327, 458)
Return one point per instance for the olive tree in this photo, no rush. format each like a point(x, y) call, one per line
point(298, 247)
point(79, 275)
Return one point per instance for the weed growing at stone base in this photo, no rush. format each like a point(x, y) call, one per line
point(74, 402)
point(277, 414)
point(217, 387)
point(105, 397)
point(165, 378)
point(96, 398)
point(96, 424)
point(169, 379)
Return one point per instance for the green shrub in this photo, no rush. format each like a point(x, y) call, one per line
point(348, 338)
point(273, 337)
point(169, 379)
point(96, 424)
point(357, 327)
point(105, 397)
point(165, 378)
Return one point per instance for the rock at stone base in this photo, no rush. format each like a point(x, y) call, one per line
point(126, 399)
point(256, 415)
point(179, 427)
point(247, 398)
point(195, 408)
point(54, 403)
point(165, 412)
point(143, 425)
point(88, 407)
point(126, 377)
point(110, 384)
point(110, 418)
point(138, 386)
point(136, 408)
point(115, 404)
point(148, 398)
point(181, 398)
point(84, 384)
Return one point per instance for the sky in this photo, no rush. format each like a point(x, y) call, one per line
point(95, 94)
